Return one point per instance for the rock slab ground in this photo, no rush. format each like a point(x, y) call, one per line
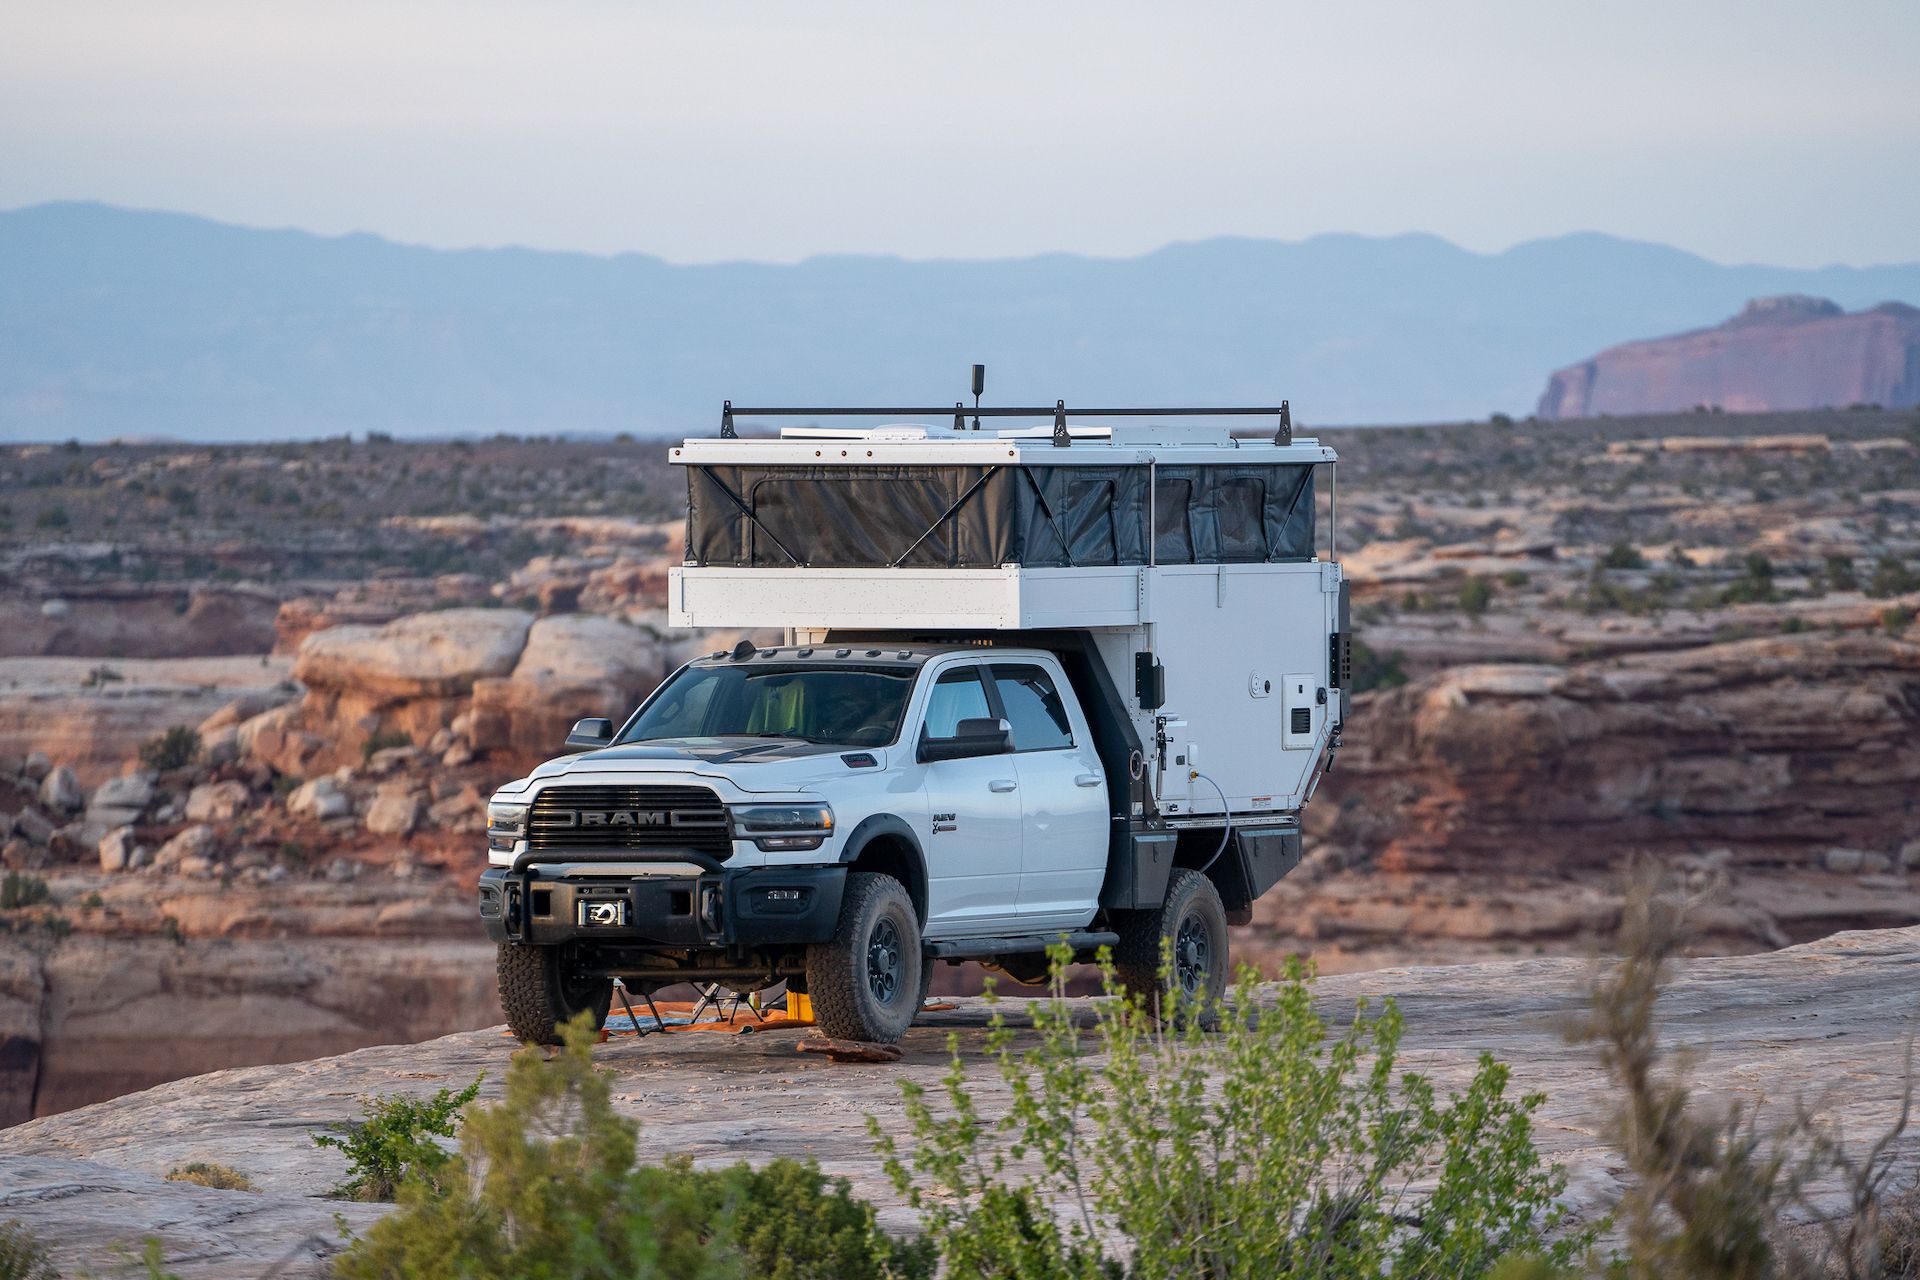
point(1825, 1022)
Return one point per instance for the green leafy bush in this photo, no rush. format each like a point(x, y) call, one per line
point(177, 748)
point(544, 1184)
point(393, 1141)
point(22, 1256)
point(1272, 1148)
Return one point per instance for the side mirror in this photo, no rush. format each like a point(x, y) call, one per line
point(971, 738)
point(590, 734)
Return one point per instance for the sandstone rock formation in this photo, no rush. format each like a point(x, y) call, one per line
point(573, 665)
point(93, 716)
point(137, 622)
point(1780, 353)
point(1767, 1030)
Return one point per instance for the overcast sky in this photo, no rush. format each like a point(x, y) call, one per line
point(1745, 130)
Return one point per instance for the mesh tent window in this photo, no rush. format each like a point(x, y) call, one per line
point(986, 516)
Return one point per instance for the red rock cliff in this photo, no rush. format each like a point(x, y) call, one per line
point(1780, 353)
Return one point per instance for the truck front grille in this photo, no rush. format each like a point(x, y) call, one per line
point(619, 819)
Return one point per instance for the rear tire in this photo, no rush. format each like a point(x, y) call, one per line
point(865, 983)
point(1194, 920)
point(540, 994)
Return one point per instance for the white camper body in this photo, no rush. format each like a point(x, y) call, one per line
point(1251, 699)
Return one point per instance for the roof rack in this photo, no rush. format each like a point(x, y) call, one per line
point(1283, 434)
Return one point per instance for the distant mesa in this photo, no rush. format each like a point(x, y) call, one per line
point(1788, 352)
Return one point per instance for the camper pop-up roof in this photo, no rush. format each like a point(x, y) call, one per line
point(947, 526)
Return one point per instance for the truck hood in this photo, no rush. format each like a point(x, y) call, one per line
point(752, 764)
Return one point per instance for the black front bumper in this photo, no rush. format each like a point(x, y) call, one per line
point(749, 907)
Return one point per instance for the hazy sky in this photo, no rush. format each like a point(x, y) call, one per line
point(1746, 130)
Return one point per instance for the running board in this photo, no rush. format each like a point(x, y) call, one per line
point(981, 948)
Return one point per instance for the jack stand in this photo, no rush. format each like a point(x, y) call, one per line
point(620, 989)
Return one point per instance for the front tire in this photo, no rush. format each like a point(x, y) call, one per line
point(540, 992)
point(865, 983)
point(1194, 920)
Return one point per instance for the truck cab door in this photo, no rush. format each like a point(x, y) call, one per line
point(1063, 797)
point(973, 806)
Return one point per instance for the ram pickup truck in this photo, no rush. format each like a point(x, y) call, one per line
point(1030, 686)
point(826, 815)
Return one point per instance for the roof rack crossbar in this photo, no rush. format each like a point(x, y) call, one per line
point(994, 411)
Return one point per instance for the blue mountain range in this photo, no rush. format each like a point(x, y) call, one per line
point(117, 322)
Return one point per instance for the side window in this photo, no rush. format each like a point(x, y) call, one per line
point(1089, 522)
point(1034, 709)
point(1172, 532)
point(1240, 507)
point(957, 695)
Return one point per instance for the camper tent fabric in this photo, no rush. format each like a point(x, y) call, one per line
point(986, 516)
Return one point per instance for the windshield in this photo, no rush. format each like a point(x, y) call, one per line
point(844, 706)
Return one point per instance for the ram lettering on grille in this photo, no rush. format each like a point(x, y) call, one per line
point(614, 818)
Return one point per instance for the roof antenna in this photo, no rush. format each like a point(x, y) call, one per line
point(979, 385)
point(726, 421)
point(1061, 439)
point(1285, 434)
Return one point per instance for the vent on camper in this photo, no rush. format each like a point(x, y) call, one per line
point(1302, 720)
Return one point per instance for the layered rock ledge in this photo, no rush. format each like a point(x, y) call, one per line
point(1825, 1023)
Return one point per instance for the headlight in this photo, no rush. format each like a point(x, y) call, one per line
point(775, 827)
point(506, 823)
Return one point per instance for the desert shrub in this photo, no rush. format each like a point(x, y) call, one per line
point(1713, 1190)
point(544, 1184)
point(1623, 555)
point(385, 740)
point(1897, 1238)
point(22, 1256)
point(1892, 577)
point(19, 890)
point(1274, 1147)
point(177, 748)
point(1474, 596)
point(1755, 583)
point(1372, 670)
point(203, 1173)
point(1839, 574)
point(1896, 619)
point(393, 1141)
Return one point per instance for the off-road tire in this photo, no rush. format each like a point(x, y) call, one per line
point(539, 995)
point(1195, 919)
point(864, 983)
point(926, 985)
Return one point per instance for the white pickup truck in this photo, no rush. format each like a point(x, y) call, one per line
point(982, 733)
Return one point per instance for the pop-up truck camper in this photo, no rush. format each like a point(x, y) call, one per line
point(1054, 680)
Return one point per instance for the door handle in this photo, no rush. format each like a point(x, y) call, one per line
point(1002, 784)
point(1087, 780)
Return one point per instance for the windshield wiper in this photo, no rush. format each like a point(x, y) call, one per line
point(794, 737)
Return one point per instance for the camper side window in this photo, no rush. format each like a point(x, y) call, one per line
point(1034, 709)
point(957, 695)
point(1172, 531)
point(1240, 508)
